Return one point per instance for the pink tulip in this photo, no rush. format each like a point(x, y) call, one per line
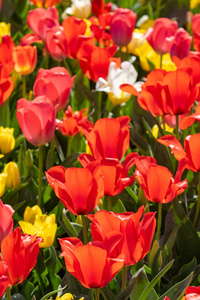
point(6, 224)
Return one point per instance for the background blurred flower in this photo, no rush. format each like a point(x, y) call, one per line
point(45, 3)
point(40, 224)
point(7, 140)
point(79, 8)
point(4, 29)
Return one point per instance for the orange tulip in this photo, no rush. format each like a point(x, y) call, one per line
point(191, 152)
point(90, 264)
point(19, 252)
point(25, 58)
point(136, 236)
point(45, 3)
point(78, 189)
point(196, 31)
point(151, 176)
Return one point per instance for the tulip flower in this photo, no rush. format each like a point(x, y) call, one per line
point(6, 224)
point(55, 84)
point(67, 296)
point(192, 148)
point(56, 43)
point(36, 223)
point(36, 119)
point(129, 225)
point(151, 176)
point(69, 125)
point(19, 252)
point(3, 180)
point(25, 58)
point(6, 88)
point(6, 58)
point(40, 20)
point(166, 92)
point(13, 179)
point(158, 36)
point(4, 29)
point(69, 184)
point(192, 293)
point(4, 279)
point(115, 174)
point(99, 7)
point(7, 140)
point(122, 26)
point(196, 31)
point(45, 3)
point(117, 76)
point(79, 9)
point(108, 138)
point(180, 43)
point(90, 264)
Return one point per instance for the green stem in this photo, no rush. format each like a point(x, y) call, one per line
point(52, 148)
point(8, 292)
point(161, 58)
point(132, 194)
point(157, 13)
point(85, 236)
point(98, 106)
point(177, 127)
point(159, 221)
point(23, 86)
point(39, 202)
point(67, 67)
point(69, 146)
point(96, 292)
point(198, 205)
point(109, 203)
point(124, 276)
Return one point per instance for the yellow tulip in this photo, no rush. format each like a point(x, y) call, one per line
point(3, 178)
point(13, 179)
point(4, 29)
point(7, 140)
point(155, 129)
point(67, 296)
point(37, 223)
point(194, 3)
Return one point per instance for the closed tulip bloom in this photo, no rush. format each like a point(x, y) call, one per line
point(90, 264)
point(151, 176)
point(158, 36)
point(3, 180)
point(7, 140)
point(45, 3)
point(56, 43)
point(136, 235)
point(78, 189)
point(40, 20)
point(55, 84)
point(191, 152)
point(36, 223)
point(25, 58)
point(4, 279)
point(122, 26)
point(167, 92)
point(6, 225)
point(13, 179)
point(37, 119)
point(79, 8)
point(19, 252)
point(180, 43)
point(108, 138)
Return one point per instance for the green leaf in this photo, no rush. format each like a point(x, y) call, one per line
point(142, 282)
point(51, 264)
point(52, 293)
point(28, 289)
point(124, 295)
point(155, 280)
point(117, 205)
point(177, 291)
point(107, 293)
point(68, 224)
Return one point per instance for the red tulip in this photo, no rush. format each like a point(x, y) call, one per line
point(158, 36)
point(108, 138)
point(36, 119)
point(69, 125)
point(136, 236)
point(100, 28)
point(90, 264)
point(196, 31)
point(180, 43)
point(151, 176)
point(191, 152)
point(55, 84)
point(40, 20)
point(45, 3)
point(115, 174)
point(19, 252)
point(6, 88)
point(56, 43)
point(78, 189)
point(99, 7)
point(189, 120)
point(6, 59)
point(122, 26)
point(6, 225)
point(4, 279)
point(192, 293)
point(166, 92)
point(25, 58)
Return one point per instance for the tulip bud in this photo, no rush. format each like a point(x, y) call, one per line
point(7, 140)
point(28, 160)
point(13, 179)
